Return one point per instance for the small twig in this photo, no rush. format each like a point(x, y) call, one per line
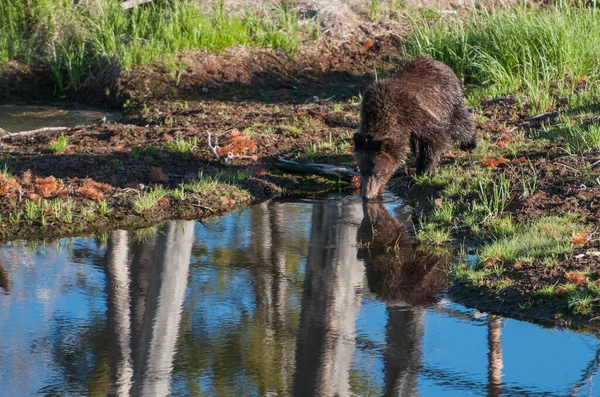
point(204, 207)
point(543, 116)
point(212, 148)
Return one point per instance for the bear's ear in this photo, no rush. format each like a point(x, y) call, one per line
point(359, 140)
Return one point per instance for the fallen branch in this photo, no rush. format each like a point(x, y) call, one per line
point(44, 129)
point(542, 116)
point(341, 172)
point(18, 153)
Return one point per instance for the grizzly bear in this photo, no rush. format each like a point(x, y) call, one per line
point(396, 269)
point(422, 106)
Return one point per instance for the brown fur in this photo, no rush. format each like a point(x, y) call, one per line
point(422, 107)
point(396, 270)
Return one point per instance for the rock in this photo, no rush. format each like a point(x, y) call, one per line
point(157, 175)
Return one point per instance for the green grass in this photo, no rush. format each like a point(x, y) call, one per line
point(78, 40)
point(536, 239)
point(503, 226)
point(444, 211)
point(148, 200)
point(102, 207)
point(59, 144)
point(464, 273)
point(181, 145)
point(542, 54)
point(548, 291)
point(495, 195)
point(433, 234)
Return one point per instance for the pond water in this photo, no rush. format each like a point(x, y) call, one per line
point(17, 118)
point(284, 298)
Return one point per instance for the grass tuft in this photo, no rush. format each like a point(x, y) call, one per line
point(541, 53)
point(77, 39)
point(545, 237)
point(59, 144)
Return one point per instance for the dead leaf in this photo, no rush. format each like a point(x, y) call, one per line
point(576, 278)
point(561, 291)
point(368, 43)
point(46, 187)
point(237, 143)
point(579, 239)
point(504, 140)
point(225, 200)
point(26, 178)
point(493, 162)
point(164, 202)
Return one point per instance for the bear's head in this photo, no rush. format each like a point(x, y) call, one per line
point(376, 163)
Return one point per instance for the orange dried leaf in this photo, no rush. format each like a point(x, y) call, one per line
point(368, 43)
point(8, 186)
point(579, 239)
point(103, 187)
point(561, 291)
point(26, 178)
point(92, 190)
point(504, 140)
point(225, 200)
point(493, 162)
point(164, 202)
point(47, 187)
point(576, 278)
point(236, 143)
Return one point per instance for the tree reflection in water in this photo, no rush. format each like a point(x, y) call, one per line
point(145, 297)
point(270, 301)
point(330, 302)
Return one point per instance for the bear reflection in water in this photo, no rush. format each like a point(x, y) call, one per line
point(397, 270)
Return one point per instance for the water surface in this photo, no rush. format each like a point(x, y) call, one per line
point(17, 118)
point(284, 298)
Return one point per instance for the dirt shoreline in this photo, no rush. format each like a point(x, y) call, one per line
point(304, 109)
